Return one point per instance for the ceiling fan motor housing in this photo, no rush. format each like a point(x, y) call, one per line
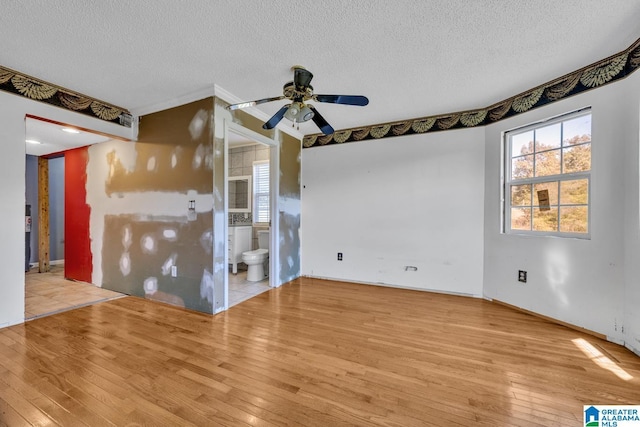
point(293, 93)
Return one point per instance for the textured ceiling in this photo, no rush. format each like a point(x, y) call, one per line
point(412, 58)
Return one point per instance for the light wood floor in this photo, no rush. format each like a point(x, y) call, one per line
point(48, 293)
point(311, 353)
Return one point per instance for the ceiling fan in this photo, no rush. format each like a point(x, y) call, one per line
point(299, 91)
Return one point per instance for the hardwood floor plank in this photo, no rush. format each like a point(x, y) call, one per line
point(31, 413)
point(54, 389)
point(313, 353)
point(9, 417)
point(58, 406)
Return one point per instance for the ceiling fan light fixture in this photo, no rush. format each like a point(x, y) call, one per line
point(298, 112)
point(305, 114)
point(292, 112)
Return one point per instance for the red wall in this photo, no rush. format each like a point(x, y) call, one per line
point(77, 247)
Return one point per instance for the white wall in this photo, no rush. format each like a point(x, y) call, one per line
point(408, 201)
point(578, 281)
point(12, 191)
point(631, 222)
point(418, 200)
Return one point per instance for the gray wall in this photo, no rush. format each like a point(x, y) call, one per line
point(31, 193)
point(56, 209)
point(56, 206)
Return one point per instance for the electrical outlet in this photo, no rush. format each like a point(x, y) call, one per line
point(174, 271)
point(339, 256)
point(522, 276)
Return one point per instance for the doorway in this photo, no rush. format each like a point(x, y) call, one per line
point(47, 288)
point(250, 160)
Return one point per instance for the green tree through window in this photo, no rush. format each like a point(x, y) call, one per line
point(548, 177)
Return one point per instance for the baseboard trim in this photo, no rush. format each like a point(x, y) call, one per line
point(391, 285)
point(552, 320)
point(52, 262)
point(632, 349)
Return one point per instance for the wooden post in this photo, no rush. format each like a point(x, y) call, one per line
point(43, 215)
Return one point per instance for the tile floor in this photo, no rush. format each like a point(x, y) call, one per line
point(241, 290)
point(50, 293)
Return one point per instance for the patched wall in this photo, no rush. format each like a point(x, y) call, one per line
point(152, 210)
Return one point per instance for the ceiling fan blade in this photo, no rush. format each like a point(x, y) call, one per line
point(302, 77)
point(324, 126)
point(275, 119)
point(343, 99)
point(253, 103)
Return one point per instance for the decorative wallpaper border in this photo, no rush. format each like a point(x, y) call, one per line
point(20, 84)
point(595, 75)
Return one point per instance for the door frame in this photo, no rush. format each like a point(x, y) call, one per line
point(274, 178)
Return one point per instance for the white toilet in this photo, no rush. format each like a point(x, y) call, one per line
point(257, 259)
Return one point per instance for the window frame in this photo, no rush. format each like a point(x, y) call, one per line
point(508, 182)
point(255, 205)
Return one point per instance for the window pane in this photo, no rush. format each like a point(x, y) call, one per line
point(545, 220)
point(576, 159)
point(548, 137)
point(521, 218)
point(522, 167)
point(522, 144)
point(575, 192)
point(574, 219)
point(551, 187)
point(261, 191)
point(262, 208)
point(548, 163)
point(576, 131)
point(521, 195)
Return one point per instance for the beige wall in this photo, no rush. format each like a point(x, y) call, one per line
point(141, 226)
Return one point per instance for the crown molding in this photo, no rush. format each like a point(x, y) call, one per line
point(175, 102)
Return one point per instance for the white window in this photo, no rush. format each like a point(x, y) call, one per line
point(548, 177)
point(261, 192)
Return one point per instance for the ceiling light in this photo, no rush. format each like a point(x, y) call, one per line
point(70, 130)
point(298, 112)
point(292, 111)
point(305, 114)
point(32, 141)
